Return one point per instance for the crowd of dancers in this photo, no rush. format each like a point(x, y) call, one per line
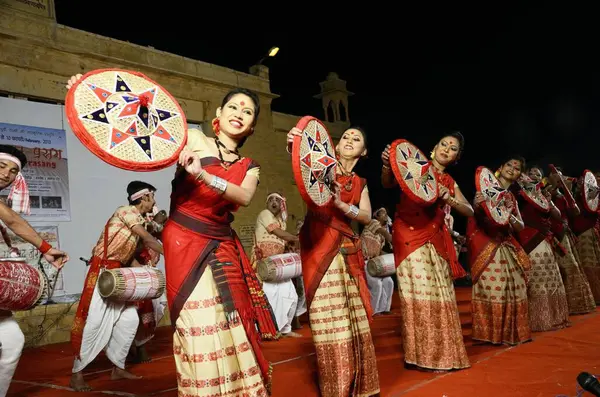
point(529, 275)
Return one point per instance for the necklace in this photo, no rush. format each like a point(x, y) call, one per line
point(348, 185)
point(226, 164)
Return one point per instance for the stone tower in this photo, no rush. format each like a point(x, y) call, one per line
point(334, 96)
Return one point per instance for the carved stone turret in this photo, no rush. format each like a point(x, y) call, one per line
point(334, 96)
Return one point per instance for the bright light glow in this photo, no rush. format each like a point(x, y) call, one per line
point(273, 51)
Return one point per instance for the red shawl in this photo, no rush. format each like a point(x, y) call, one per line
point(198, 234)
point(484, 238)
point(585, 220)
point(537, 228)
point(325, 233)
point(415, 225)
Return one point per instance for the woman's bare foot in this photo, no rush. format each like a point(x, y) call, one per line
point(77, 382)
point(118, 373)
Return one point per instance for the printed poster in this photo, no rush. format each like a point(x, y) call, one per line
point(32, 254)
point(46, 171)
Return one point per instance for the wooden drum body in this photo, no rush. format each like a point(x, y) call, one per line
point(382, 266)
point(282, 267)
point(131, 284)
point(22, 286)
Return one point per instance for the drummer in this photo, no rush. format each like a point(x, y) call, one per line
point(111, 325)
point(270, 239)
point(150, 311)
point(12, 161)
point(425, 261)
point(374, 237)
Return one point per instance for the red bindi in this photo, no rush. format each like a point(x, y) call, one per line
point(242, 103)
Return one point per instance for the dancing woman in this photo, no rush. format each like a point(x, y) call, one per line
point(579, 294)
point(211, 287)
point(548, 308)
point(333, 271)
point(586, 228)
point(498, 264)
point(426, 262)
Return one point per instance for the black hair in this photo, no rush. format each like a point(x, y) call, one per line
point(13, 151)
point(517, 157)
point(536, 166)
point(255, 100)
point(136, 186)
point(461, 142)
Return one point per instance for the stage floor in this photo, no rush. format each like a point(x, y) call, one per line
point(547, 367)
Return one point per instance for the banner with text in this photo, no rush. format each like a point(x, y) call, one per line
point(46, 173)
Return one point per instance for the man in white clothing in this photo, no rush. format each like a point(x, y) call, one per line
point(374, 238)
point(111, 325)
point(12, 340)
point(270, 239)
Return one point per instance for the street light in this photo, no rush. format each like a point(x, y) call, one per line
point(272, 52)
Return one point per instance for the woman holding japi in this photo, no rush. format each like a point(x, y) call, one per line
point(548, 308)
point(333, 271)
point(498, 264)
point(210, 282)
point(586, 227)
point(426, 264)
point(579, 295)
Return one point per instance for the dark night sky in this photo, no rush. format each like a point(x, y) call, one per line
point(516, 79)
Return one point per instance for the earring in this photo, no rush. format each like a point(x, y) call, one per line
point(215, 126)
point(432, 154)
point(497, 173)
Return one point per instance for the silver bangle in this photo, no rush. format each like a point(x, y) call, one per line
point(218, 184)
point(353, 211)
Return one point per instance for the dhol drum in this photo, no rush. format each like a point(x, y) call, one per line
point(22, 286)
point(128, 284)
point(277, 268)
point(382, 266)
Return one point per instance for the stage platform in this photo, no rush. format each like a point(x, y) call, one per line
point(546, 367)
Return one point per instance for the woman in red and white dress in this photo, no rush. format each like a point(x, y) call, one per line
point(426, 263)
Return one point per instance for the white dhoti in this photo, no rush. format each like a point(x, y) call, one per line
point(381, 290)
point(283, 299)
point(110, 326)
point(159, 312)
point(11, 346)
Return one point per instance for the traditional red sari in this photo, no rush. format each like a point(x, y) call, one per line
point(426, 263)
point(338, 298)
point(579, 294)
point(214, 298)
point(586, 227)
point(548, 308)
point(498, 264)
